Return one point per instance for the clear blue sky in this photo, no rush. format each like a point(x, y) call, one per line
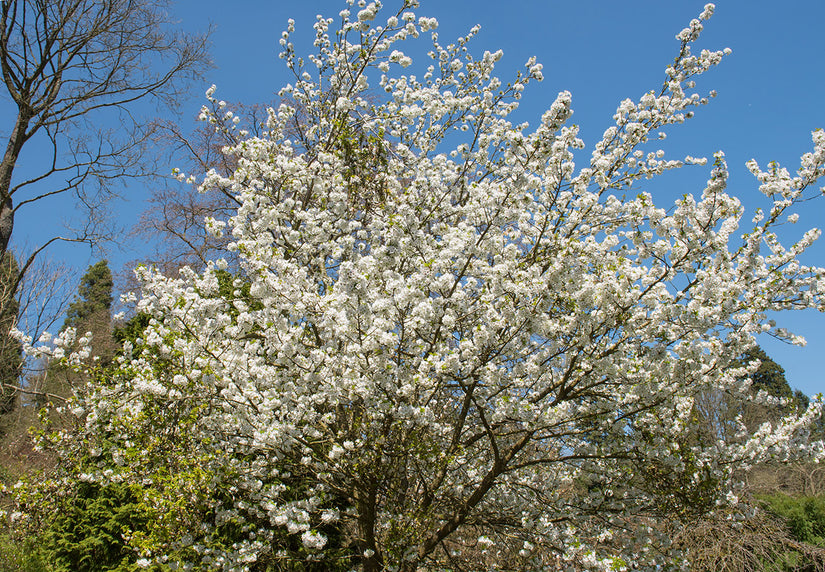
point(770, 90)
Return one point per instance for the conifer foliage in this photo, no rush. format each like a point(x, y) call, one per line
point(94, 296)
point(769, 376)
point(11, 351)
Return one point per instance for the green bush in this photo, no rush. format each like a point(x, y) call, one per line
point(87, 534)
point(803, 515)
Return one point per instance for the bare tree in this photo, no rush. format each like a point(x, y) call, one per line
point(38, 301)
point(44, 294)
point(174, 220)
point(68, 67)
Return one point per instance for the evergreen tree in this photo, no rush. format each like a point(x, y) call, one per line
point(94, 296)
point(769, 376)
point(11, 360)
point(90, 312)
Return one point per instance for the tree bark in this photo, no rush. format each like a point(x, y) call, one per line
point(13, 147)
point(366, 501)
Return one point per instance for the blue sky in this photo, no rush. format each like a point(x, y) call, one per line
point(770, 91)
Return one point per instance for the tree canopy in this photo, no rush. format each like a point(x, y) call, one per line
point(450, 338)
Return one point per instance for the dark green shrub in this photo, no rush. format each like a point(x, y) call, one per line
point(87, 535)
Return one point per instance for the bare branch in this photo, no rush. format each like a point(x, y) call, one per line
point(69, 64)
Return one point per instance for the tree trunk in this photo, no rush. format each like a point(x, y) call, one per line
point(371, 561)
point(15, 144)
point(6, 223)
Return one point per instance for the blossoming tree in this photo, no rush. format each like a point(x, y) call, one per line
point(450, 341)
